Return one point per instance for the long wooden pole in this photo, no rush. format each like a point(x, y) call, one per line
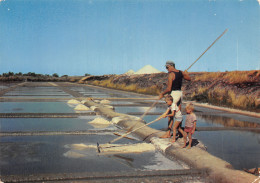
point(207, 49)
point(116, 139)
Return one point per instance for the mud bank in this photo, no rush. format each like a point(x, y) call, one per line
point(219, 170)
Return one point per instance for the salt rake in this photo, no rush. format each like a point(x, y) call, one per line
point(116, 139)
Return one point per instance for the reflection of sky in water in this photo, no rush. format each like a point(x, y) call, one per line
point(35, 107)
point(120, 102)
point(36, 92)
point(227, 121)
point(3, 87)
point(95, 92)
point(45, 124)
point(240, 148)
point(122, 109)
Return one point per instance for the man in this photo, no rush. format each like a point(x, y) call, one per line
point(174, 83)
point(174, 89)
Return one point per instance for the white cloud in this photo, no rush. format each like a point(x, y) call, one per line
point(258, 1)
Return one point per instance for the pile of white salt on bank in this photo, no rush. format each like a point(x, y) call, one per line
point(81, 107)
point(81, 150)
point(73, 101)
point(105, 101)
point(99, 121)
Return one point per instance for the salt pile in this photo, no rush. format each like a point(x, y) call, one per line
point(73, 101)
point(109, 106)
point(72, 154)
point(80, 150)
point(148, 69)
point(130, 72)
point(99, 121)
point(127, 148)
point(83, 101)
point(81, 107)
point(105, 102)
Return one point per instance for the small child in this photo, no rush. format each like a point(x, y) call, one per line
point(190, 124)
point(173, 111)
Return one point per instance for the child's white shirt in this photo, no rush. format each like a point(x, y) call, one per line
point(178, 114)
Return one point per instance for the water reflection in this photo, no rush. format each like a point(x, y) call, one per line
point(227, 122)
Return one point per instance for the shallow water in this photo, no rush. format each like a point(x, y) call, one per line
point(122, 109)
point(38, 154)
point(35, 107)
point(45, 124)
point(47, 154)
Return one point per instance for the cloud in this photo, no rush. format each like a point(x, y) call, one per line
point(258, 1)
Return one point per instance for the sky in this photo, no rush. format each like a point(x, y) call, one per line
point(97, 37)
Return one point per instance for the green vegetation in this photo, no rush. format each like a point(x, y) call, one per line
point(31, 76)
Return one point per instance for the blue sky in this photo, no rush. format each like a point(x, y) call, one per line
point(99, 37)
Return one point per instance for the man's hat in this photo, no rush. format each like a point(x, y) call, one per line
point(170, 63)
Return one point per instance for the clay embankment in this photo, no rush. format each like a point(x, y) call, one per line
point(219, 170)
point(237, 89)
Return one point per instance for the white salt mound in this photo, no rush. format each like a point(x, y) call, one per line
point(109, 106)
point(130, 72)
point(81, 107)
point(105, 102)
point(99, 121)
point(83, 101)
point(81, 149)
point(148, 69)
point(128, 148)
point(82, 146)
point(72, 154)
point(73, 101)
point(93, 108)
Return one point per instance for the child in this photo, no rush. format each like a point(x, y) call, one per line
point(190, 124)
point(172, 111)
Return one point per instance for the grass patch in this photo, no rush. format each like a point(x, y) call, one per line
point(224, 97)
point(152, 90)
point(233, 77)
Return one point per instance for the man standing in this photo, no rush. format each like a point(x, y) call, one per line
point(174, 83)
point(174, 89)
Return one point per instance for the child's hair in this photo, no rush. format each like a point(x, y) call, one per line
point(169, 97)
point(190, 106)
